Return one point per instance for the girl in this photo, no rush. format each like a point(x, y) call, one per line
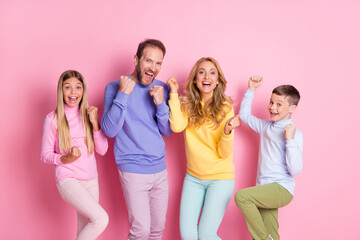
point(71, 134)
point(207, 118)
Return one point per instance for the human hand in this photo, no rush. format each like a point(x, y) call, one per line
point(73, 155)
point(255, 82)
point(174, 86)
point(289, 131)
point(157, 92)
point(231, 123)
point(126, 85)
point(93, 117)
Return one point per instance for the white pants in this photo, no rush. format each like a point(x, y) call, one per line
point(83, 195)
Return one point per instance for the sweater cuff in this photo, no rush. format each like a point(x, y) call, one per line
point(290, 143)
point(229, 137)
point(57, 159)
point(162, 107)
point(174, 96)
point(121, 99)
point(250, 93)
point(97, 134)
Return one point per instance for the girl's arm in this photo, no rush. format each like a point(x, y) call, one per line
point(48, 154)
point(100, 141)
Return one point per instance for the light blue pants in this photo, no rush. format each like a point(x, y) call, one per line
point(212, 196)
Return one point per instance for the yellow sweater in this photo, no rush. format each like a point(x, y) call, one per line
point(209, 151)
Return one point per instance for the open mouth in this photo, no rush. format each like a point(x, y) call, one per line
point(206, 83)
point(150, 74)
point(73, 99)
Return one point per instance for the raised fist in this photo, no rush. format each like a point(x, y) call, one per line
point(126, 85)
point(255, 82)
point(157, 92)
point(174, 86)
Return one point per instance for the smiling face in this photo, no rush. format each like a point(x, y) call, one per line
point(279, 107)
point(72, 91)
point(149, 65)
point(207, 78)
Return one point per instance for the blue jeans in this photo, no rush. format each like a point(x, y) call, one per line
point(212, 196)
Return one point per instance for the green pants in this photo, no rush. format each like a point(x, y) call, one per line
point(259, 205)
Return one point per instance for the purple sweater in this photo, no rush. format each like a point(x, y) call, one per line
point(137, 124)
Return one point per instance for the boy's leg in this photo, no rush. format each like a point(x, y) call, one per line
point(270, 218)
point(192, 200)
point(217, 197)
point(136, 188)
point(159, 196)
point(249, 200)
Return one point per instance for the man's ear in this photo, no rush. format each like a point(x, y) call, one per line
point(136, 60)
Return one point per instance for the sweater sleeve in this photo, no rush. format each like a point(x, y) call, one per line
point(101, 143)
point(178, 121)
point(48, 154)
point(245, 113)
point(294, 148)
point(225, 145)
point(115, 104)
point(162, 115)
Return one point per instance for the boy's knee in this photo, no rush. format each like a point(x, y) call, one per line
point(240, 198)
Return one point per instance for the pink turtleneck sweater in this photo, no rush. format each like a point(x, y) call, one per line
point(84, 168)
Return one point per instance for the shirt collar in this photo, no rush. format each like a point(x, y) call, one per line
point(281, 123)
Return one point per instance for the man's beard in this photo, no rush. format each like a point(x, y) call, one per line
point(139, 78)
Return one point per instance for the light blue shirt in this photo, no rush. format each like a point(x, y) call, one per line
point(279, 159)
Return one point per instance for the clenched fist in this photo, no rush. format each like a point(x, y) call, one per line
point(289, 131)
point(231, 124)
point(126, 85)
point(255, 82)
point(174, 86)
point(157, 92)
point(73, 155)
point(93, 116)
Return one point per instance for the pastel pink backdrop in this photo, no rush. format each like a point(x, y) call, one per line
point(313, 45)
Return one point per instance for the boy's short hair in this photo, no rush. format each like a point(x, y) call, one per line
point(150, 42)
point(288, 91)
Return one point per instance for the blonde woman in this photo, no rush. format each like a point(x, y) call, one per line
point(207, 118)
point(71, 134)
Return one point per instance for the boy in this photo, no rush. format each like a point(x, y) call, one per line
point(280, 157)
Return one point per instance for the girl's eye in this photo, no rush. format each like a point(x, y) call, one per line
point(201, 72)
point(213, 73)
point(67, 87)
point(279, 105)
point(78, 87)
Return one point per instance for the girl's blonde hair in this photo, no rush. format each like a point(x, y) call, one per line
point(62, 123)
point(215, 109)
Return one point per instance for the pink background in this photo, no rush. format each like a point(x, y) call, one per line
point(314, 45)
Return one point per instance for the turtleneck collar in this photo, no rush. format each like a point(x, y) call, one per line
point(70, 109)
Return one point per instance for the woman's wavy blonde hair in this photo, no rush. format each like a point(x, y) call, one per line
point(62, 123)
point(215, 109)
